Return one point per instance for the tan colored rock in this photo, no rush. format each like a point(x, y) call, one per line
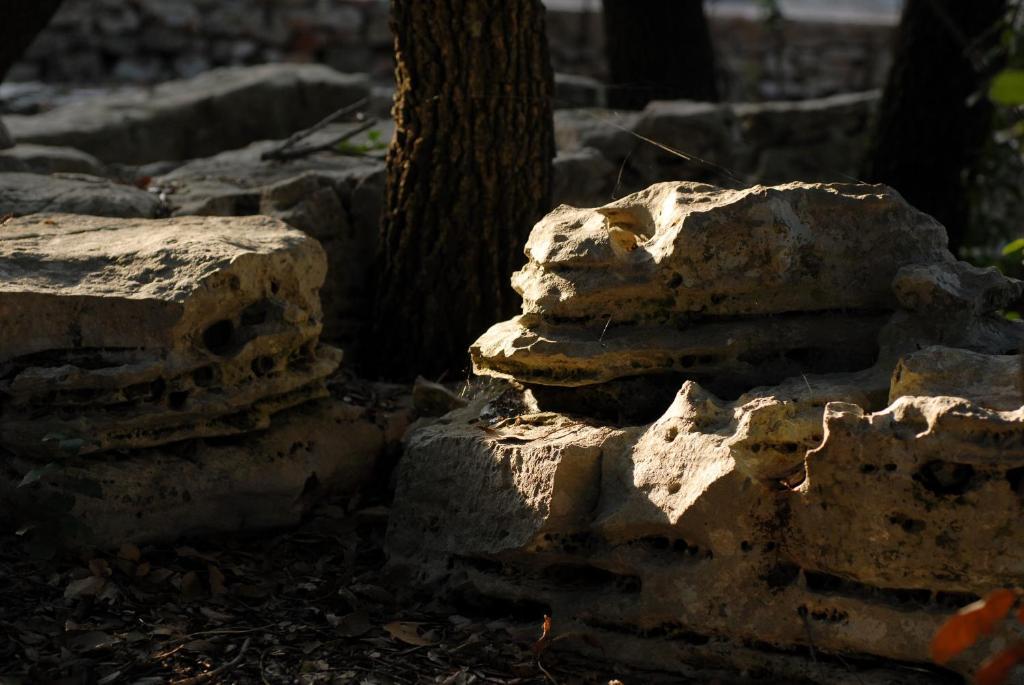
point(735, 289)
point(267, 479)
point(991, 381)
point(335, 198)
point(925, 495)
point(840, 469)
point(656, 545)
point(132, 333)
point(684, 249)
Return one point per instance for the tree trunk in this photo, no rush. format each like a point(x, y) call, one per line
point(658, 50)
point(469, 172)
point(20, 22)
point(928, 135)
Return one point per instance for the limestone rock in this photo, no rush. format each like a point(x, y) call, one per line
point(335, 198)
point(991, 381)
point(737, 288)
point(923, 495)
point(221, 109)
point(47, 159)
point(23, 193)
point(129, 333)
point(639, 539)
point(267, 479)
point(6, 141)
point(582, 178)
point(836, 466)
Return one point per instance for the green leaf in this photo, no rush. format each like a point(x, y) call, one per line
point(374, 136)
point(1013, 247)
point(35, 475)
point(1008, 87)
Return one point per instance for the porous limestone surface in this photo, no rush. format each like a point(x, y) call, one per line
point(860, 480)
point(735, 288)
point(124, 333)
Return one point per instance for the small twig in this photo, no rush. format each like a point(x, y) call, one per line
point(285, 155)
point(546, 673)
point(219, 671)
point(605, 330)
point(307, 132)
point(802, 612)
point(263, 677)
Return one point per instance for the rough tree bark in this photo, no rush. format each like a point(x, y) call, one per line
point(658, 50)
point(469, 172)
point(20, 22)
point(929, 132)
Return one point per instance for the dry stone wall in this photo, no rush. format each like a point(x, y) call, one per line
point(155, 40)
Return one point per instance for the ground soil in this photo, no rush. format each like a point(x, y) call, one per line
point(310, 605)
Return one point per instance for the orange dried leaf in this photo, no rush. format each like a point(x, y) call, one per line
point(216, 577)
point(129, 552)
point(964, 628)
point(545, 636)
point(408, 632)
point(996, 668)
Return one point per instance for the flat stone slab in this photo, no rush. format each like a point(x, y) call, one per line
point(25, 193)
point(50, 159)
point(129, 333)
point(221, 109)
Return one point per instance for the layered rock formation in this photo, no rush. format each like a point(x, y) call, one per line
point(836, 467)
point(30, 193)
point(218, 110)
point(123, 338)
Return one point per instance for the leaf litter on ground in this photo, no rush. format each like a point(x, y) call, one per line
point(309, 605)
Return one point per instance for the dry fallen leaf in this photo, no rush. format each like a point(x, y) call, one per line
point(545, 636)
point(996, 669)
point(191, 587)
point(86, 587)
point(93, 640)
point(353, 624)
point(216, 580)
point(129, 552)
point(964, 628)
point(408, 632)
point(192, 553)
point(99, 567)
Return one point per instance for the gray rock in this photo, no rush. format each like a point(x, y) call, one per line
point(22, 193)
point(582, 178)
point(6, 141)
point(46, 159)
point(219, 110)
point(573, 91)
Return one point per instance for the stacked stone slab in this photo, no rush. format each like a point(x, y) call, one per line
point(128, 342)
point(853, 478)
